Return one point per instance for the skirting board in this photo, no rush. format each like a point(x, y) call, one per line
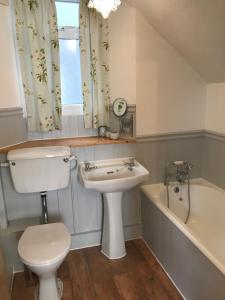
point(93, 238)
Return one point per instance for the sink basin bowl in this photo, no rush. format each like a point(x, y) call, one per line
point(114, 175)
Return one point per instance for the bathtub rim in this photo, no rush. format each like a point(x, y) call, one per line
point(152, 192)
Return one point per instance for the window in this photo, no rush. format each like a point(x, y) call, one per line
point(68, 23)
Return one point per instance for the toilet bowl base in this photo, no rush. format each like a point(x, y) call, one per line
point(59, 288)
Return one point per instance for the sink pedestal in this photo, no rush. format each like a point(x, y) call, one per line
point(113, 245)
point(109, 177)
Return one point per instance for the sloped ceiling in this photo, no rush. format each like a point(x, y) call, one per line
point(196, 28)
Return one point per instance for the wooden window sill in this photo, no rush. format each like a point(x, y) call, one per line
point(71, 142)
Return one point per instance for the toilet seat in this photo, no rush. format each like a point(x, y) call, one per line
point(44, 244)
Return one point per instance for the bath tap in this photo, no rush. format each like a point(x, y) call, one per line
point(88, 166)
point(181, 175)
point(182, 171)
point(167, 177)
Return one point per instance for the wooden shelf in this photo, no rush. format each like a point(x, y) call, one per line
point(71, 142)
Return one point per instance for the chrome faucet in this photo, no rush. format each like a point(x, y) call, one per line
point(88, 166)
point(167, 176)
point(182, 171)
point(130, 163)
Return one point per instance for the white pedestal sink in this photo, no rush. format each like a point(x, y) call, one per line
point(112, 177)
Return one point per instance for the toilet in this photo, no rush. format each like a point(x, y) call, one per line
point(42, 248)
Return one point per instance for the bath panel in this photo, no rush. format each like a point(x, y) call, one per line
point(197, 270)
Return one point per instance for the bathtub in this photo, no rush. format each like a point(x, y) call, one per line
point(192, 254)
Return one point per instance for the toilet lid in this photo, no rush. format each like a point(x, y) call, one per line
point(44, 244)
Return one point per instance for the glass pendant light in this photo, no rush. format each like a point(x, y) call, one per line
point(104, 6)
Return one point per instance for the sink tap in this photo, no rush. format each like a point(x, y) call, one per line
point(130, 163)
point(88, 166)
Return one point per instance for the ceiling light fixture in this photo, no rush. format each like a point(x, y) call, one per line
point(104, 6)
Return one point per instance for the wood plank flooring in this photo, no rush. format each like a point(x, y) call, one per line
point(4, 288)
point(88, 275)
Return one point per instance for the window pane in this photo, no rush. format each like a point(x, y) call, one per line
point(70, 72)
point(67, 14)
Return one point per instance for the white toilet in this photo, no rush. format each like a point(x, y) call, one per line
point(42, 248)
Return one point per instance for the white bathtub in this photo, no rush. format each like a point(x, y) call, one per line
point(205, 228)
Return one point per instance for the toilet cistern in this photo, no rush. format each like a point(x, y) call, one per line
point(39, 170)
point(43, 247)
point(112, 177)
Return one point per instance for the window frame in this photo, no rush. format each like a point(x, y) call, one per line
point(70, 33)
point(70, 1)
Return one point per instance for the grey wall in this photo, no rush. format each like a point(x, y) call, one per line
point(156, 154)
point(213, 166)
point(12, 126)
point(80, 209)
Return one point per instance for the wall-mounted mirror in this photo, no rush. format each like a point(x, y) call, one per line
point(119, 107)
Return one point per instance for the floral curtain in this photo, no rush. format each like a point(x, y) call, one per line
point(38, 48)
point(94, 53)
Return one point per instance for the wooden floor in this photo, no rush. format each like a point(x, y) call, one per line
point(89, 275)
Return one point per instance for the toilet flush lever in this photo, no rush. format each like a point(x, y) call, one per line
point(71, 158)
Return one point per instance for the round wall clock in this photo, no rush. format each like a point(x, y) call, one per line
point(119, 107)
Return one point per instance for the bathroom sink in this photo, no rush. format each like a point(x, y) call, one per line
point(114, 175)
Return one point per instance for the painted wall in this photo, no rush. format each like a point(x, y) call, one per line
point(123, 64)
point(9, 96)
point(12, 125)
point(170, 94)
point(145, 70)
point(123, 53)
point(177, 21)
point(215, 107)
